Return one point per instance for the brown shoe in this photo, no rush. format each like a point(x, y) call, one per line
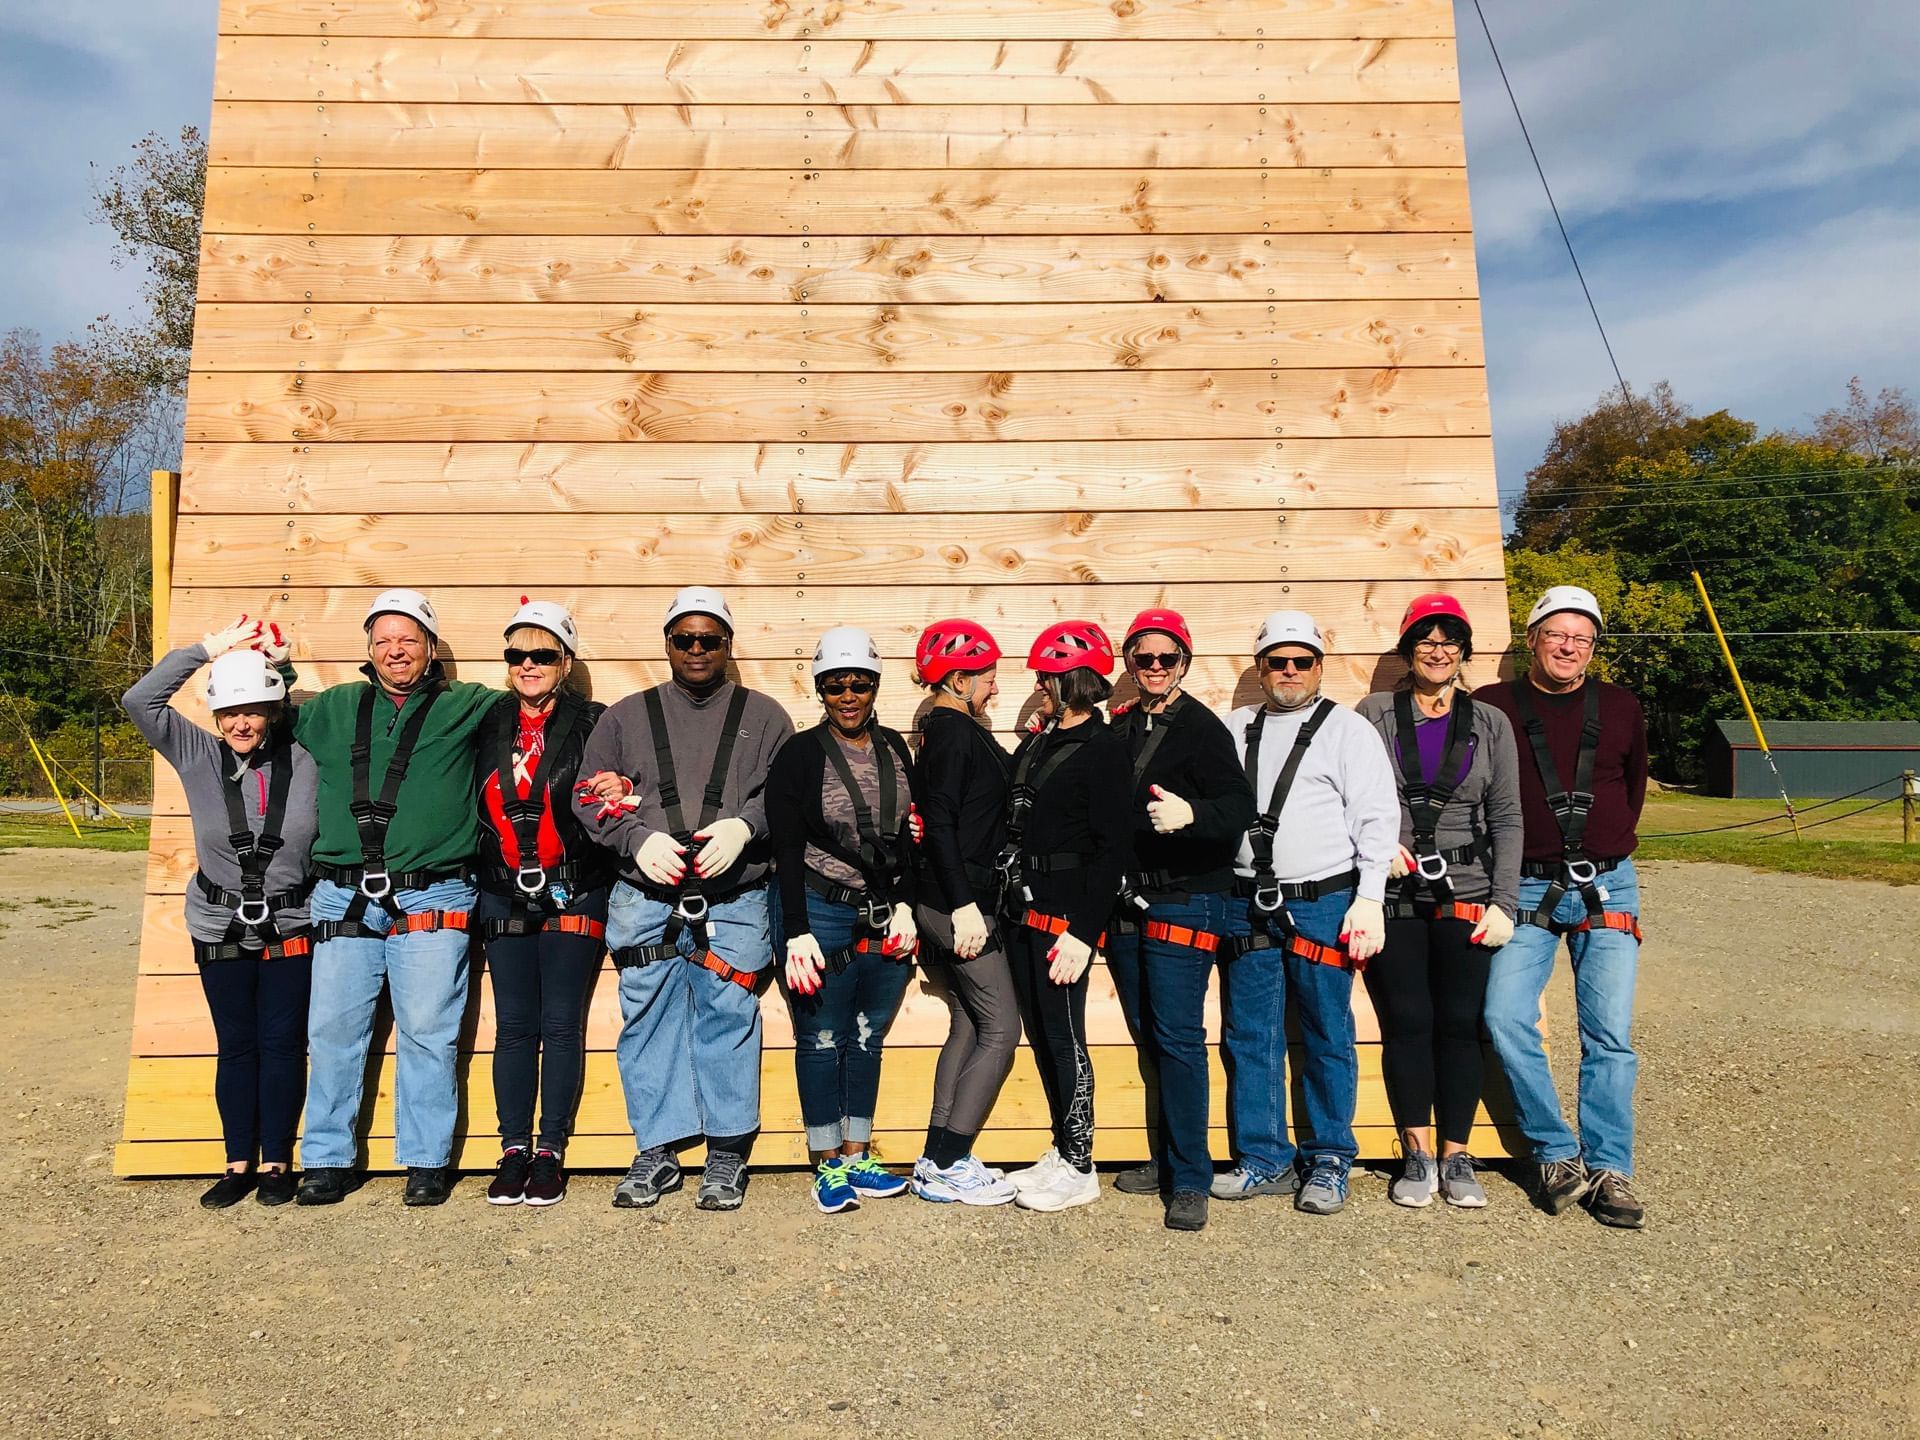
point(1562, 1182)
point(1611, 1201)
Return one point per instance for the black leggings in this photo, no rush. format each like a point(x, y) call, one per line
point(1056, 1021)
point(542, 986)
point(1428, 986)
point(259, 1010)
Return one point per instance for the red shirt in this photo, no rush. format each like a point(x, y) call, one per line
point(528, 746)
point(1619, 766)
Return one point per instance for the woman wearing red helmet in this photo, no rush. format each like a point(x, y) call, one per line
point(1456, 886)
point(963, 777)
point(1066, 849)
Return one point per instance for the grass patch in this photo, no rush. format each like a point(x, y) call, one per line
point(1849, 842)
point(51, 832)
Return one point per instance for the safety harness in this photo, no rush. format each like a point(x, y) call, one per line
point(540, 893)
point(878, 859)
point(1426, 801)
point(1015, 865)
point(1135, 887)
point(255, 913)
point(1575, 870)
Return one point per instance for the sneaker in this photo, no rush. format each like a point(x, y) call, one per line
point(966, 1182)
point(1187, 1210)
point(723, 1184)
point(276, 1187)
point(427, 1185)
point(509, 1185)
point(1325, 1192)
point(230, 1189)
point(653, 1173)
point(328, 1185)
point(992, 1171)
point(1562, 1182)
point(1419, 1181)
point(1067, 1188)
point(1037, 1175)
point(1240, 1183)
point(1611, 1201)
point(1458, 1186)
point(1139, 1179)
point(831, 1192)
point(547, 1181)
point(872, 1180)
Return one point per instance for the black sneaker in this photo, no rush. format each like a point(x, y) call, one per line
point(427, 1185)
point(509, 1185)
point(230, 1189)
point(547, 1180)
point(328, 1185)
point(1562, 1182)
point(276, 1187)
point(1139, 1179)
point(1611, 1201)
point(1187, 1210)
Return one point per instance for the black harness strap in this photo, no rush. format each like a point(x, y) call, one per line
point(690, 900)
point(253, 908)
point(372, 816)
point(878, 858)
point(1030, 775)
point(1267, 896)
point(533, 883)
point(1571, 807)
point(1426, 800)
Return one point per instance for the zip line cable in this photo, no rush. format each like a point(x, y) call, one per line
point(1772, 819)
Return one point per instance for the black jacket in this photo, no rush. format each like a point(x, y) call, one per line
point(1080, 809)
point(964, 776)
point(794, 819)
point(1194, 758)
point(572, 720)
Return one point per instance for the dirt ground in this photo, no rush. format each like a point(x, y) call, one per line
point(1771, 1294)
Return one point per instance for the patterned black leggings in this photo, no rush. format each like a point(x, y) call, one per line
point(1056, 1021)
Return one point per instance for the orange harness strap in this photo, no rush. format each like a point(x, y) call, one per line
point(577, 925)
point(1202, 940)
point(1612, 920)
point(1054, 925)
point(707, 960)
point(428, 920)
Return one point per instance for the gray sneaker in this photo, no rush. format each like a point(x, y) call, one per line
point(1240, 1183)
point(1419, 1181)
point(1138, 1180)
point(723, 1186)
point(653, 1173)
point(1325, 1192)
point(1458, 1185)
point(1187, 1210)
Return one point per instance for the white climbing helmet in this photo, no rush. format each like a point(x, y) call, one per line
point(548, 615)
point(845, 647)
point(1289, 627)
point(243, 677)
point(1562, 598)
point(410, 603)
point(700, 600)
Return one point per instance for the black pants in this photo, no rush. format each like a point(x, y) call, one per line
point(1056, 1021)
point(542, 985)
point(259, 1010)
point(985, 1028)
point(1428, 986)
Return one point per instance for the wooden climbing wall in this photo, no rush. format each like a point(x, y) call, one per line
point(871, 311)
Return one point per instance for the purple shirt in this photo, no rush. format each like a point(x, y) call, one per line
point(1431, 733)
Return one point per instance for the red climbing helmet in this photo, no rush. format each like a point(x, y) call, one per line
point(947, 646)
point(1426, 608)
point(1166, 622)
point(1071, 645)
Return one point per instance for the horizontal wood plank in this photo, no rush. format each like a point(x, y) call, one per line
point(912, 408)
point(305, 135)
point(834, 202)
point(842, 19)
point(874, 72)
point(833, 269)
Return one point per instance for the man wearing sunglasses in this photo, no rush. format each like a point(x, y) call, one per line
point(678, 790)
point(1312, 879)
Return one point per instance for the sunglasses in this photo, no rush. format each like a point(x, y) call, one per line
point(1274, 664)
point(841, 687)
point(541, 658)
point(1157, 660)
point(687, 644)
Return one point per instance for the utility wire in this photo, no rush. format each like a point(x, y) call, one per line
point(1782, 815)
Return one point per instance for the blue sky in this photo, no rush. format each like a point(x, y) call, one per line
point(1742, 179)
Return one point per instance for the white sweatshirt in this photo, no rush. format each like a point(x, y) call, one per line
point(1344, 809)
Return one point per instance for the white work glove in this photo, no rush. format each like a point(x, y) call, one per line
point(1364, 930)
point(725, 840)
point(1068, 960)
point(240, 635)
point(805, 964)
point(275, 645)
point(1168, 811)
point(969, 932)
point(903, 936)
point(1494, 930)
point(1402, 863)
point(660, 859)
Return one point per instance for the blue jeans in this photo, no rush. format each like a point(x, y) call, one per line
point(1604, 963)
point(1124, 968)
point(426, 975)
point(839, 1031)
point(1259, 987)
point(689, 1050)
point(1175, 997)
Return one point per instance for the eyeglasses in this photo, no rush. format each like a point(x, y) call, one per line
point(1439, 647)
point(1274, 664)
point(859, 686)
point(1562, 637)
point(1157, 660)
point(542, 658)
point(687, 644)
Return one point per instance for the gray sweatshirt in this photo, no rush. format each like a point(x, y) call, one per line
point(197, 755)
point(1487, 803)
point(623, 743)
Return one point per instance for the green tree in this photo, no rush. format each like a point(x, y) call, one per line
point(153, 204)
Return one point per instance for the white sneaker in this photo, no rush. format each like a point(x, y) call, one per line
point(966, 1182)
point(1036, 1175)
point(992, 1170)
point(1068, 1188)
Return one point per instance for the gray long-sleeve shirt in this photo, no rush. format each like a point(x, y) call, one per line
point(623, 743)
point(1487, 802)
point(197, 755)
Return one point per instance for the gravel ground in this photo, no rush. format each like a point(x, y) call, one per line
point(1771, 1294)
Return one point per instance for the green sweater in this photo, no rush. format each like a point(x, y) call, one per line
point(436, 821)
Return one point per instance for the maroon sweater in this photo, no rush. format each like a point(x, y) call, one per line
point(1619, 769)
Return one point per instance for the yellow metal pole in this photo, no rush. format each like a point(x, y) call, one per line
point(166, 501)
point(1740, 685)
point(53, 784)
